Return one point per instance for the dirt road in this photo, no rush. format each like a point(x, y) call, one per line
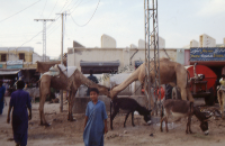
point(64, 133)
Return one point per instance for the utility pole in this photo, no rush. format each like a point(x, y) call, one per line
point(44, 35)
point(62, 15)
point(152, 61)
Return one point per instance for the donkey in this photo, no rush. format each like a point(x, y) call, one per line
point(130, 105)
point(181, 109)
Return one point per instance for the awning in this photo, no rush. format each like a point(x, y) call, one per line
point(9, 72)
point(138, 63)
point(99, 67)
point(108, 63)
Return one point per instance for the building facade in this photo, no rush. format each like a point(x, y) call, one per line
point(111, 58)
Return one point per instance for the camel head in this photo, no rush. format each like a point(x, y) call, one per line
point(103, 90)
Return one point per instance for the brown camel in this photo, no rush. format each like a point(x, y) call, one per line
point(62, 82)
point(170, 73)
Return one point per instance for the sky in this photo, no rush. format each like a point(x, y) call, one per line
point(179, 22)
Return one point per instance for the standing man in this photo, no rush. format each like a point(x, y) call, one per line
point(221, 94)
point(2, 95)
point(92, 78)
point(95, 125)
point(20, 102)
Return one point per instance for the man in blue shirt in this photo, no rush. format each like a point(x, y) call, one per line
point(95, 121)
point(93, 79)
point(2, 94)
point(20, 102)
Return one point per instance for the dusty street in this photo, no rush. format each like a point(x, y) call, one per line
point(64, 133)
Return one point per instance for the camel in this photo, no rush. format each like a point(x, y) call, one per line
point(170, 73)
point(62, 82)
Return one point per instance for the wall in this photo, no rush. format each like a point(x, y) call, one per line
point(187, 57)
point(13, 53)
point(180, 56)
point(124, 55)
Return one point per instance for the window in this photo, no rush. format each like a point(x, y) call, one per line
point(22, 56)
point(3, 57)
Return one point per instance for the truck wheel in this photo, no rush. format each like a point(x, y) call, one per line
point(210, 99)
point(175, 93)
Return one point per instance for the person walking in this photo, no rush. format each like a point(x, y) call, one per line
point(2, 95)
point(20, 101)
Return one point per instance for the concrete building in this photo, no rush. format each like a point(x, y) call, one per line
point(206, 41)
point(224, 42)
point(107, 60)
point(133, 46)
point(107, 41)
point(141, 43)
point(194, 43)
point(19, 62)
point(162, 43)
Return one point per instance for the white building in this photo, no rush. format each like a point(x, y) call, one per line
point(206, 41)
point(107, 41)
point(194, 43)
point(162, 43)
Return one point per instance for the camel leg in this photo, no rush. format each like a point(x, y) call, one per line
point(41, 110)
point(223, 101)
point(184, 94)
point(190, 97)
point(71, 102)
point(188, 129)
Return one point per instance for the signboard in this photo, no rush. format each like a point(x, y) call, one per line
point(1, 65)
point(16, 66)
point(207, 54)
point(15, 62)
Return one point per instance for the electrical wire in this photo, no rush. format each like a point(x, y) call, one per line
point(37, 34)
point(43, 8)
point(89, 19)
point(19, 11)
point(53, 8)
point(78, 3)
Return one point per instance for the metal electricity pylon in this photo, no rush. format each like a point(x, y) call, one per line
point(44, 35)
point(152, 70)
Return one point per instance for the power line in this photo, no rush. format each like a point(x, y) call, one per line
point(44, 8)
point(53, 8)
point(19, 11)
point(37, 34)
point(78, 2)
point(89, 19)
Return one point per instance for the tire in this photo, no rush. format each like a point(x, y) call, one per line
point(176, 94)
point(210, 100)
